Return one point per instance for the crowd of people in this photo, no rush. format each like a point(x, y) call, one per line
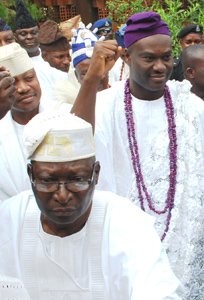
point(101, 160)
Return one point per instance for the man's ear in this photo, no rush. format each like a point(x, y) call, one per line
point(76, 74)
point(44, 55)
point(97, 171)
point(189, 73)
point(16, 37)
point(126, 57)
point(29, 170)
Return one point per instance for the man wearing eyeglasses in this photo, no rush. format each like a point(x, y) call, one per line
point(66, 241)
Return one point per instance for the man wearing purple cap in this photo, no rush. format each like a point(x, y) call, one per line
point(153, 132)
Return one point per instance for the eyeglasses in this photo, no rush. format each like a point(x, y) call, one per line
point(75, 185)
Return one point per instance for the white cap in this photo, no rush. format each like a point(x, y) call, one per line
point(58, 137)
point(15, 59)
point(12, 288)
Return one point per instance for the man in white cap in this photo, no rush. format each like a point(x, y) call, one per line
point(6, 81)
point(66, 241)
point(26, 104)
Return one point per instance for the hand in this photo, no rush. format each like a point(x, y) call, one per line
point(103, 59)
point(7, 89)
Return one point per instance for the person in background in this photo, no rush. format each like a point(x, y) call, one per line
point(24, 105)
point(26, 32)
point(65, 239)
point(7, 87)
point(120, 70)
point(192, 60)
point(82, 45)
point(6, 34)
point(103, 27)
point(189, 35)
point(54, 46)
point(55, 49)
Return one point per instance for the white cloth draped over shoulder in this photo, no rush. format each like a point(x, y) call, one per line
point(14, 178)
point(116, 256)
point(185, 238)
point(55, 84)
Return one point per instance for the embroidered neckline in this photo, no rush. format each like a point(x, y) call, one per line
point(133, 146)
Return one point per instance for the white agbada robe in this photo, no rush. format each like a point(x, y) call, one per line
point(185, 238)
point(118, 72)
point(51, 78)
point(116, 256)
point(14, 178)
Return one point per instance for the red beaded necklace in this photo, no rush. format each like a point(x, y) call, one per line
point(142, 189)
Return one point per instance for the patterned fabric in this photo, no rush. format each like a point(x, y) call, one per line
point(185, 239)
point(107, 259)
point(23, 18)
point(12, 288)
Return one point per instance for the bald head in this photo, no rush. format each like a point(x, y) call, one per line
point(192, 55)
point(193, 67)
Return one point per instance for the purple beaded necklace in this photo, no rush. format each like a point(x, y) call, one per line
point(142, 190)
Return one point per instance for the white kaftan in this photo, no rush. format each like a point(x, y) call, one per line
point(185, 238)
point(118, 72)
point(116, 256)
point(51, 79)
point(13, 175)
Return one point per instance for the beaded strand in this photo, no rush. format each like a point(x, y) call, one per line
point(142, 189)
point(121, 70)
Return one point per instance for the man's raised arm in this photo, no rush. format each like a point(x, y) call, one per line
point(103, 59)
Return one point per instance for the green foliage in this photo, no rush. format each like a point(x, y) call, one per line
point(8, 12)
point(172, 12)
point(35, 11)
point(120, 9)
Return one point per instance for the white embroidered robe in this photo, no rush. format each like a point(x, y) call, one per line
point(185, 238)
point(116, 256)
